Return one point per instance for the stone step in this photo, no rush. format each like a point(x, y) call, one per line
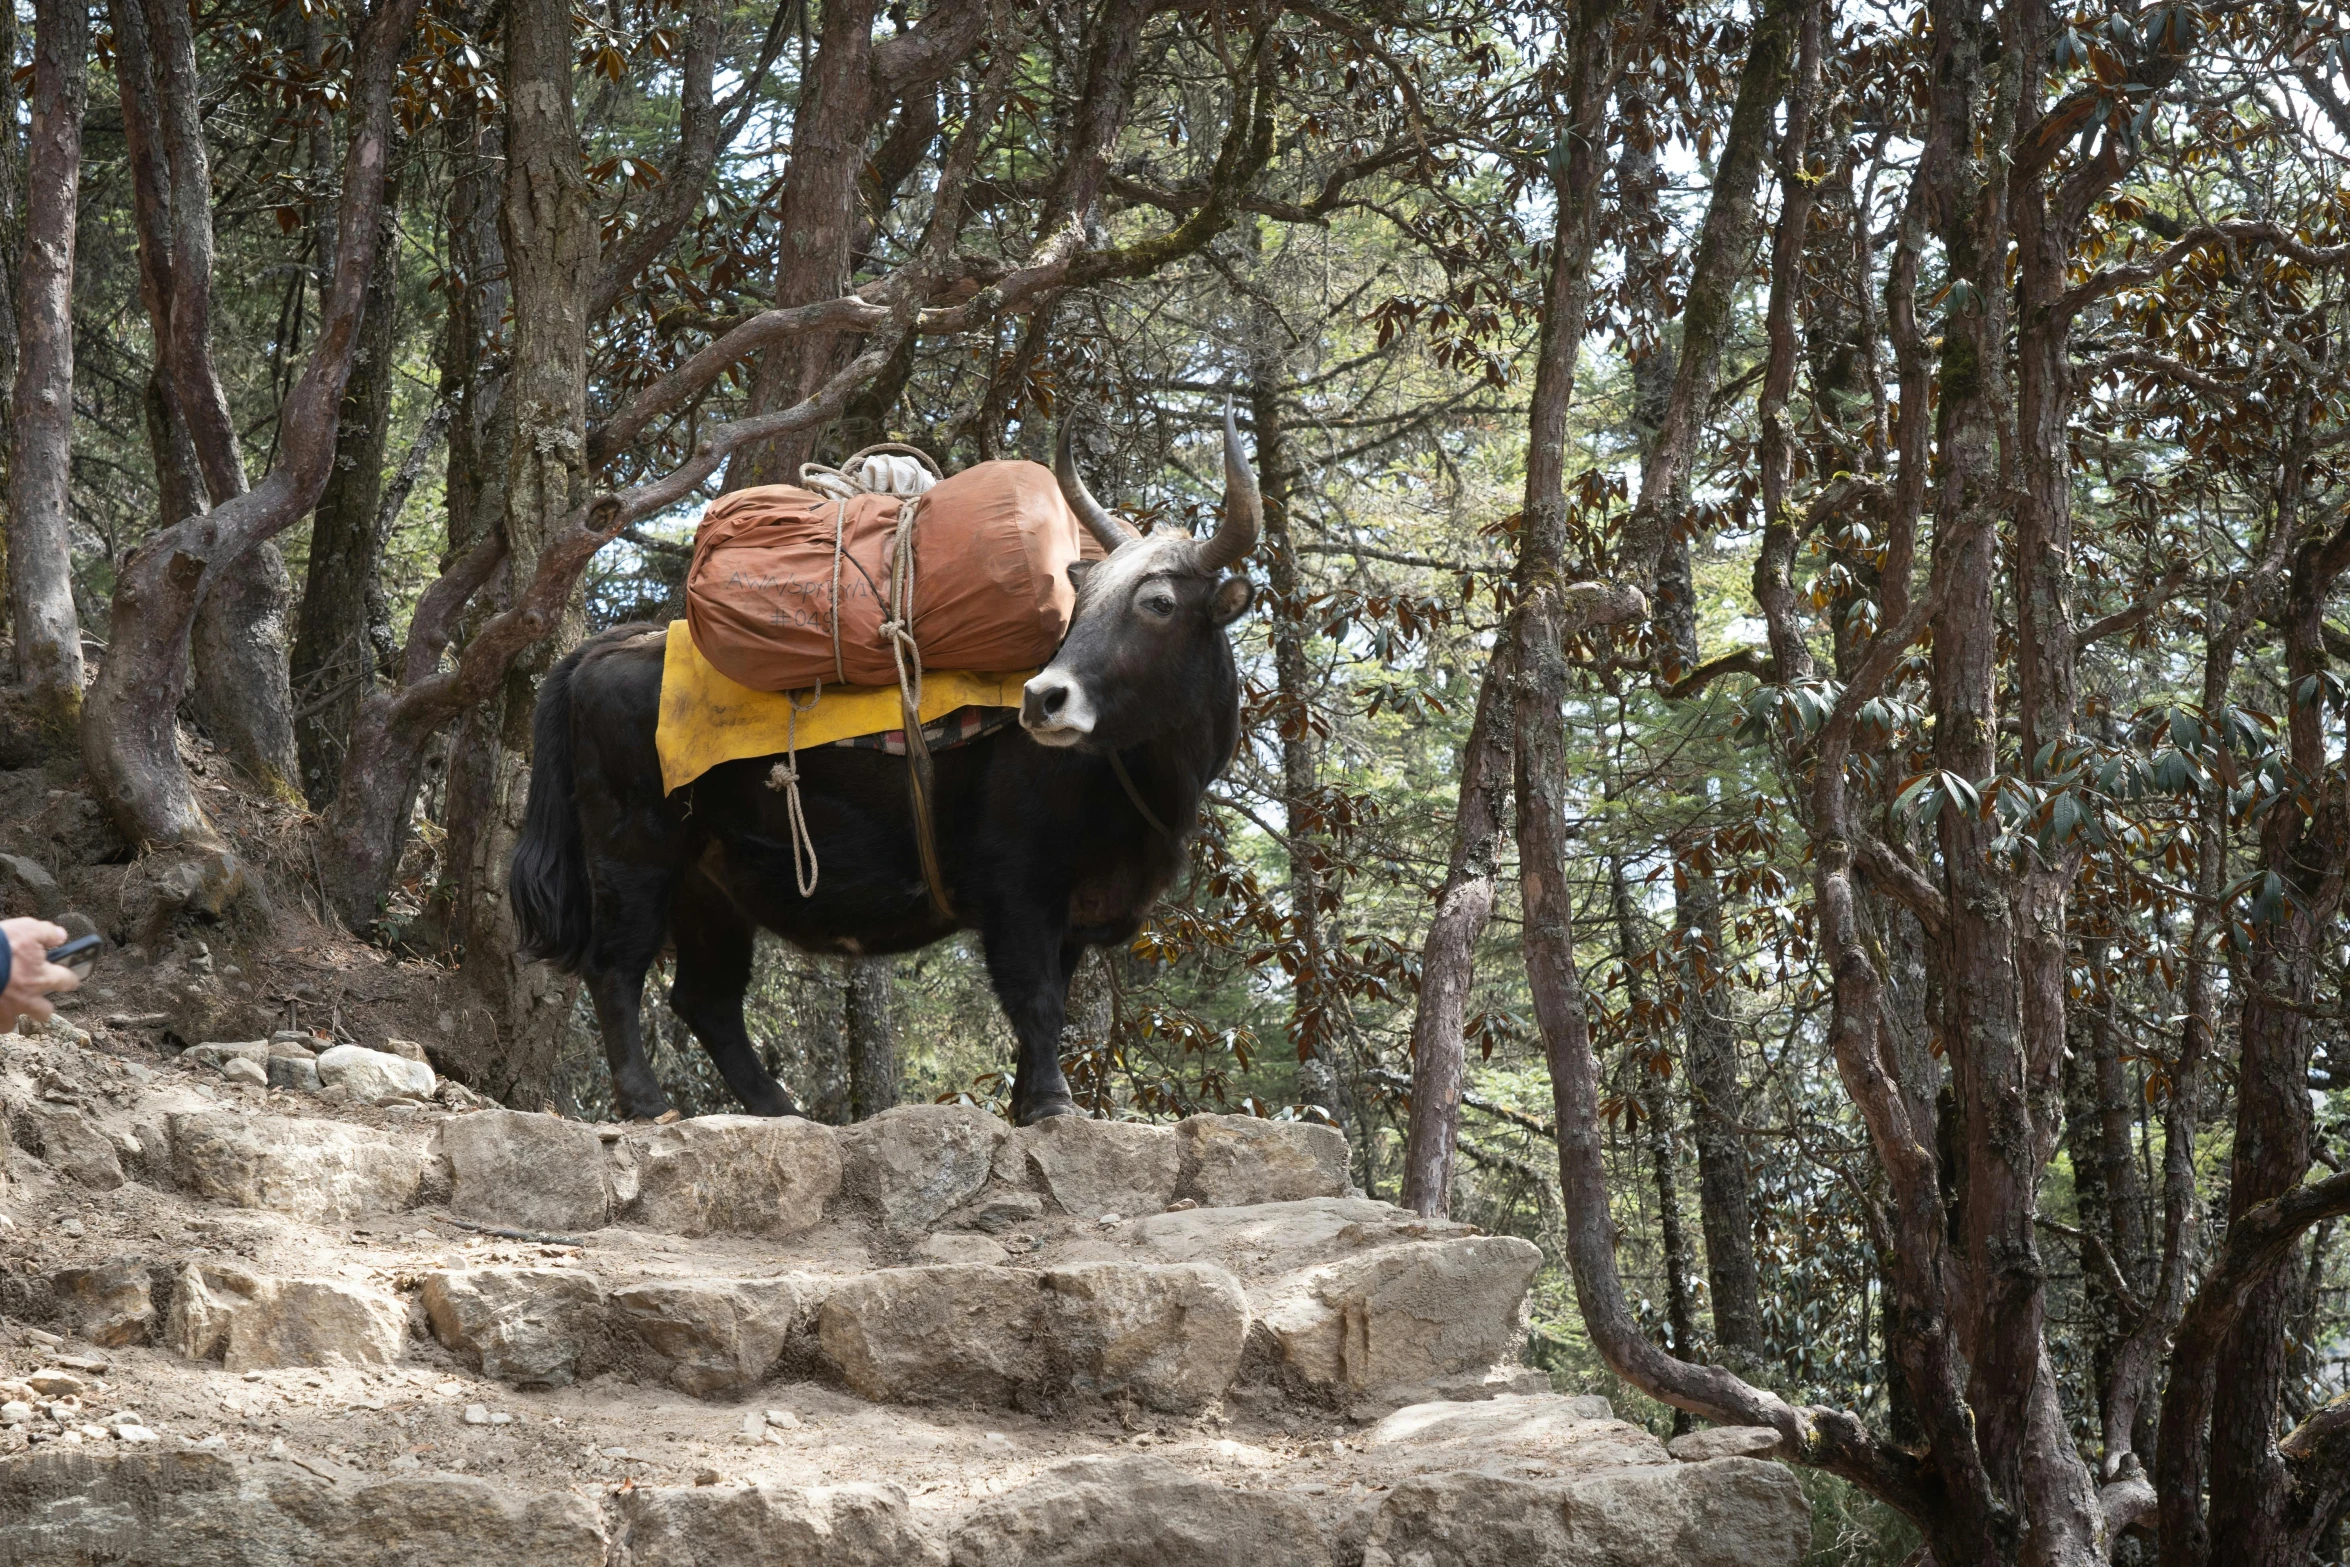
point(1547, 1480)
point(1367, 1332)
point(903, 1172)
point(1441, 1315)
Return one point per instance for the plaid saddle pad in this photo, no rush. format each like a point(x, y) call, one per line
point(960, 727)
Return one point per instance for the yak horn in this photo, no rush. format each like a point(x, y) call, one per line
point(1244, 508)
point(1098, 521)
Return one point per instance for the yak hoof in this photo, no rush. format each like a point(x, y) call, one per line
point(1045, 1110)
point(657, 1111)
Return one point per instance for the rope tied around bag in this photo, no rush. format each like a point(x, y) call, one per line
point(910, 480)
point(899, 629)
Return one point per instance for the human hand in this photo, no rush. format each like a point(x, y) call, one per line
point(32, 978)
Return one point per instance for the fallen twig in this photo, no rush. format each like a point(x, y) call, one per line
point(535, 1237)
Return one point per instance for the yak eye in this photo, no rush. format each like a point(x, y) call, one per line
point(1160, 602)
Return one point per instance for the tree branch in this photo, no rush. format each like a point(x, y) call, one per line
point(698, 144)
point(2113, 279)
point(851, 311)
point(1898, 875)
point(1746, 661)
point(2137, 614)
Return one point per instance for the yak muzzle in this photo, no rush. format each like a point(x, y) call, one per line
point(1054, 709)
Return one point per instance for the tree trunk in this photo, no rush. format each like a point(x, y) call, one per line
point(872, 1041)
point(1656, 1117)
point(236, 679)
point(815, 228)
point(129, 732)
point(1448, 954)
point(40, 560)
point(1717, 1096)
point(14, 170)
point(475, 489)
point(548, 230)
point(826, 1051)
point(334, 654)
point(239, 690)
point(1313, 1021)
point(2253, 1506)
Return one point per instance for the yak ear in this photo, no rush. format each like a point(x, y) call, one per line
point(1077, 571)
point(1231, 600)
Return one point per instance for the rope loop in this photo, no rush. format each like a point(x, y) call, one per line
point(785, 775)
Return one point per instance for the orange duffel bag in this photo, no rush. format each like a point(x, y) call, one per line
point(789, 588)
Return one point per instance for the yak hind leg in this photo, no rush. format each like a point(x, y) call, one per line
point(1030, 969)
point(713, 971)
point(615, 978)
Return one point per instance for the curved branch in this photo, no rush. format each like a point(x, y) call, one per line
point(2137, 614)
point(851, 312)
point(1746, 661)
point(2113, 279)
point(932, 47)
point(1896, 874)
point(2259, 1241)
point(699, 142)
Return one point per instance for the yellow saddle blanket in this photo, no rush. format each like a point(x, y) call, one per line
point(707, 719)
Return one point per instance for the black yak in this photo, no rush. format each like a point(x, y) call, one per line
point(1052, 836)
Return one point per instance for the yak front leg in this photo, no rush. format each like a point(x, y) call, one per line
point(1030, 967)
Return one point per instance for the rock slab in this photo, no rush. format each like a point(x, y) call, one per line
point(252, 1323)
point(906, 1168)
point(374, 1074)
point(1695, 1447)
point(726, 1175)
point(307, 1169)
point(1729, 1512)
point(1138, 1512)
point(710, 1336)
point(532, 1172)
point(1169, 1336)
point(771, 1525)
point(1089, 1168)
point(531, 1327)
point(937, 1335)
point(74, 1144)
point(110, 1304)
point(1231, 1161)
point(148, 1507)
point(1393, 1323)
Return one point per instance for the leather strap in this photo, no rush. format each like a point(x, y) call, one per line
point(899, 629)
point(1126, 780)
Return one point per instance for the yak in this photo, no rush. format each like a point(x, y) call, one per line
point(1052, 836)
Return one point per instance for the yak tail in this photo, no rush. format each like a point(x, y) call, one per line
point(548, 880)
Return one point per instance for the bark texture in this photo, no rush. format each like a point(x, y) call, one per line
point(517, 1012)
point(872, 1040)
point(335, 652)
point(40, 559)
